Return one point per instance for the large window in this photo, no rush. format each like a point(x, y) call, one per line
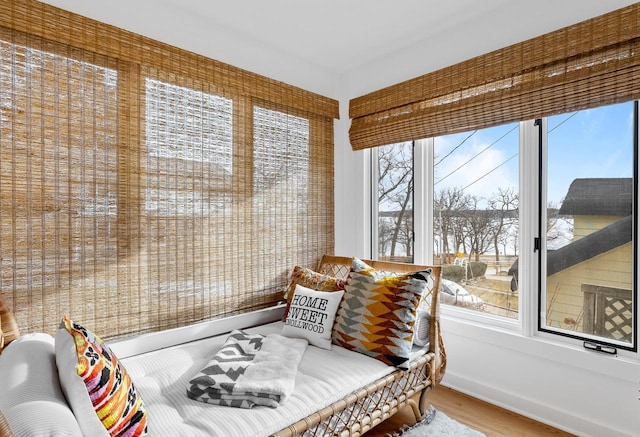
point(144, 187)
point(589, 223)
point(578, 209)
point(476, 218)
point(475, 214)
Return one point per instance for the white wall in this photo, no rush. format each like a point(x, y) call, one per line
point(352, 196)
point(568, 387)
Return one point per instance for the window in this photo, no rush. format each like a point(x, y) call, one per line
point(597, 304)
point(589, 224)
point(280, 183)
point(188, 193)
point(586, 203)
point(475, 214)
point(145, 187)
point(190, 151)
point(476, 218)
point(394, 202)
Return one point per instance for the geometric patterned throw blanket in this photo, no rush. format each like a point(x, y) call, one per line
point(249, 370)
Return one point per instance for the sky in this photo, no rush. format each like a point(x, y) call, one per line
point(590, 143)
point(594, 143)
point(478, 162)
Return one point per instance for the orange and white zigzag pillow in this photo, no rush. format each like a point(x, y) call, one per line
point(97, 386)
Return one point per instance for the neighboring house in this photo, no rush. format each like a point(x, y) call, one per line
point(601, 250)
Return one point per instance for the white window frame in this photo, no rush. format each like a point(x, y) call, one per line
point(526, 325)
point(534, 328)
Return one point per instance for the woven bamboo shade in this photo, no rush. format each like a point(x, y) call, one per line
point(144, 187)
point(593, 63)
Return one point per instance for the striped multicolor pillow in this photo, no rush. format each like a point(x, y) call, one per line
point(97, 386)
point(378, 312)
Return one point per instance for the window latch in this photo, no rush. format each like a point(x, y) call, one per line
point(611, 350)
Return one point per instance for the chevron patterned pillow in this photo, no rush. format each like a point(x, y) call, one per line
point(378, 312)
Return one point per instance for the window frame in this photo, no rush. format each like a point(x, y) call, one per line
point(423, 197)
point(531, 170)
point(540, 247)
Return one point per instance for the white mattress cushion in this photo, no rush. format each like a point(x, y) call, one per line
point(324, 376)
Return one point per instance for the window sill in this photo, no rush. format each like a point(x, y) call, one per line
point(508, 335)
point(480, 318)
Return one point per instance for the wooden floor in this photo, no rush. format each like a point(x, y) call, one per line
point(489, 419)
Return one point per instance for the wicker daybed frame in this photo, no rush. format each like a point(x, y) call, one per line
point(365, 408)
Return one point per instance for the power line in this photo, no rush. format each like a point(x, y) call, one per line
point(489, 146)
point(490, 171)
point(475, 156)
point(562, 122)
point(455, 148)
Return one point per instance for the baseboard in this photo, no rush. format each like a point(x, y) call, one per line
point(561, 419)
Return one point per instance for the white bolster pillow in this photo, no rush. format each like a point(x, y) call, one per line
point(30, 395)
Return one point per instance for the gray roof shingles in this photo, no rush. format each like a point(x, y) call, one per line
point(599, 196)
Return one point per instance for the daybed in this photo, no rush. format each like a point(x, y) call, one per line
point(337, 391)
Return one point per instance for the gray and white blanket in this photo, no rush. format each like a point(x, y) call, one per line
point(249, 370)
